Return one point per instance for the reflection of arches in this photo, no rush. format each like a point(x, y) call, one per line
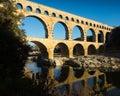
point(91, 72)
point(90, 35)
point(78, 50)
point(60, 31)
point(78, 73)
point(42, 49)
point(34, 31)
point(91, 50)
point(101, 80)
point(107, 36)
point(77, 33)
point(100, 37)
point(63, 74)
point(91, 82)
point(61, 49)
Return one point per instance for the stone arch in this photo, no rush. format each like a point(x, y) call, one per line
point(61, 49)
point(53, 15)
point(66, 18)
point(100, 37)
point(60, 30)
point(19, 6)
point(29, 8)
point(77, 21)
point(43, 23)
point(80, 33)
point(107, 36)
point(46, 12)
point(90, 35)
point(78, 50)
point(72, 19)
point(82, 22)
point(91, 49)
point(60, 16)
point(86, 23)
point(90, 24)
point(38, 10)
point(42, 48)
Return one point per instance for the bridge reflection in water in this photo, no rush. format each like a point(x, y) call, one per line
point(74, 82)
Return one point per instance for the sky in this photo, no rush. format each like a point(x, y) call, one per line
point(104, 11)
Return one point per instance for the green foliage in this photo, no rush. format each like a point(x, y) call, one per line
point(13, 52)
point(13, 55)
point(13, 47)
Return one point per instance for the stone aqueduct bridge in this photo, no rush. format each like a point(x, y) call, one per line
point(69, 47)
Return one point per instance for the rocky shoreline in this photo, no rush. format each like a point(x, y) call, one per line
point(94, 62)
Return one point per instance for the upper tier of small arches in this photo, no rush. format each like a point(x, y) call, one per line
point(40, 9)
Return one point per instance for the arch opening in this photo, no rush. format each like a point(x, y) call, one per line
point(100, 37)
point(38, 10)
point(19, 6)
point(46, 13)
point(37, 48)
point(60, 31)
point(78, 50)
point(29, 8)
point(66, 18)
point(91, 82)
point(90, 35)
point(39, 30)
point(91, 50)
point(61, 50)
point(60, 16)
point(77, 34)
point(53, 15)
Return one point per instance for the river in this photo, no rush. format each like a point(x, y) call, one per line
point(77, 86)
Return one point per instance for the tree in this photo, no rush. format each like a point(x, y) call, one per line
point(114, 41)
point(13, 55)
point(13, 50)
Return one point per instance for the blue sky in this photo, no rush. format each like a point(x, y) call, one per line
point(104, 11)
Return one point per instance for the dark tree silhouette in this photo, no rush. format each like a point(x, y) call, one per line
point(13, 55)
point(114, 40)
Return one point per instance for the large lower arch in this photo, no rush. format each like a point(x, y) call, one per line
point(91, 50)
point(78, 50)
point(39, 29)
point(90, 35)
point(61, 50)
point(60, 31)
point(42, 49)
point(77, 33)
